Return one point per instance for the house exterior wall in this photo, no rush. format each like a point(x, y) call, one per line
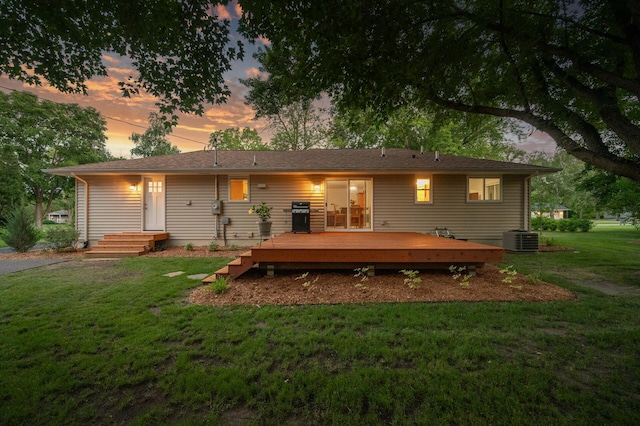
point(113, 207)
point(195, 224)
point(396, 211)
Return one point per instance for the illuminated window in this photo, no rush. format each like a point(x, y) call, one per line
point(485, 189)
point(238, 189)
point(154, 186)
point(423, 190)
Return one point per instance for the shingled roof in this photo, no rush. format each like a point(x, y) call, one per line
point(308, 161)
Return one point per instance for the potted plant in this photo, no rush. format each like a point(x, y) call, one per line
point(264, 213)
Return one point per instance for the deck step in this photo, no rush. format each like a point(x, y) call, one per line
point(126, 244)
point(234, 269)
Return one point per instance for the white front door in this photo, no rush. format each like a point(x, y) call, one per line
point(154, 204)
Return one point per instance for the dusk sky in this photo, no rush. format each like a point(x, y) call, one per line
point(125, 116)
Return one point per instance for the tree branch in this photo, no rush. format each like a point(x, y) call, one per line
point(600, 159)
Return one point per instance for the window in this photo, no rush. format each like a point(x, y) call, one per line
point(485, 189)
point(238, 189)
point(423, 190)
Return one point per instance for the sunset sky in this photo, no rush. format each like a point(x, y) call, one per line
point(125, 116)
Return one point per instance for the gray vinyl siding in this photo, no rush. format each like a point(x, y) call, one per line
point(188, 208)
point(195, 224)
point(113, 207)
point(278, 192)
point(396, 211)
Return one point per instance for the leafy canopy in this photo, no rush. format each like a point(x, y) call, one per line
point(180, 49)
point(37, 135)
point(154, 140)
point(570, 68)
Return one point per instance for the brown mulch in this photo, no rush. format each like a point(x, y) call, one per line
point(337, 287)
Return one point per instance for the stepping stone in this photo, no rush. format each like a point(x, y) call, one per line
point(173, 274)
point(197, 276)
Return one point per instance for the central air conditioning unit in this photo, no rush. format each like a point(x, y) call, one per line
point(520, 241)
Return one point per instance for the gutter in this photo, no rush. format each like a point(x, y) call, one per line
point(86, 207)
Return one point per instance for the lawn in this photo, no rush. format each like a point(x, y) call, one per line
point(110, 343)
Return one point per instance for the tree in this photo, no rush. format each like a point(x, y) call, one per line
point(613, 194)
point(561, 188)
point(295, 121)
point(38, 135)
point(180, 49)
point(570, 68)
point(12, 191)
point(412, 128)
point(154, 140)
point(235, 139)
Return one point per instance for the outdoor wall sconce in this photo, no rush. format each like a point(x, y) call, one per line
point(133, 187)
point(317, 186)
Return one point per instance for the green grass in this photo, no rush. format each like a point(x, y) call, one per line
point(113, 344)
point(606, 254)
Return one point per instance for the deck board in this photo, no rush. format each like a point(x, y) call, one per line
point(375, 248)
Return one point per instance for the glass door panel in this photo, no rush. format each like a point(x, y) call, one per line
point(349, 204)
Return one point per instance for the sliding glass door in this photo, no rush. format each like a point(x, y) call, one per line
point(349, 204)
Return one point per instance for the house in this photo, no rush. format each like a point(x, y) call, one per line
point(559, 212)
point(59, 216)
point(198, 197)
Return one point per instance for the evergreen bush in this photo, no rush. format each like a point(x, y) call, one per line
point(20, 234)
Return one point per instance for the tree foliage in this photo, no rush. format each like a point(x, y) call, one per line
point(613, 194)
point(570, 68)
point(235, 139)
point(180, 49)
point(418, 129)
point(294, 118)
point(154, 140)
point(37, 135)
point(561, 188)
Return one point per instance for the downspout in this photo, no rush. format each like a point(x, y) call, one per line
point(215, 220)
point(527, 203)
point(86, 208)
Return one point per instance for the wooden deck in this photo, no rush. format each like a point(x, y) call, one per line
point(376, 250)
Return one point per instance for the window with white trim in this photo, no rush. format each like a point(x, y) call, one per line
point(423, 189)
point(238, 189)
point(485, 189)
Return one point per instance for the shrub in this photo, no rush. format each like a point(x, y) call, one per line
point(584, 225)
point(544, 224)
point(188, 247)
point(213, 246)
point(575, 225)
point(48, 222)
point(219, 286)
point(61, 237)
point(20, 234)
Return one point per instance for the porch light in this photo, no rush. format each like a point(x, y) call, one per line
point(133, 187)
